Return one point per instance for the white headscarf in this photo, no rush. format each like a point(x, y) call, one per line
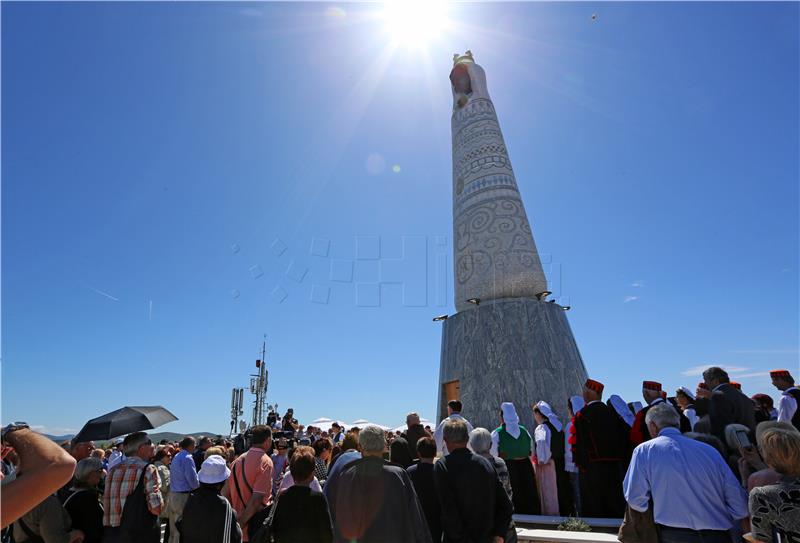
point(547, 411)
point(510, 419)
point(622, 409)
point(577, 403)
point(637, 406)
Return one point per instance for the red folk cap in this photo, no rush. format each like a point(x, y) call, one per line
point(702, 385)
point(779, 374)
point(736, 385)
point(597, 386)
point(651, 385)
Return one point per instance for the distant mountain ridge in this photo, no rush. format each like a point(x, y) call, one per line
point(156, 437)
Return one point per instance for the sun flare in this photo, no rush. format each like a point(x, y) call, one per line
point(413, 23)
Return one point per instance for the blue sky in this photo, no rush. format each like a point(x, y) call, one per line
point(180, 178)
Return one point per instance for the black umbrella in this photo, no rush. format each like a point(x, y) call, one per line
point(124, 421)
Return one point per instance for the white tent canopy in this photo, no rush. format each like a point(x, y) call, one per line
point(364, 422)
point(322, 420)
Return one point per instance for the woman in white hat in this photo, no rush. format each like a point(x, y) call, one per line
point(549, 460)
point(512, 442)
point(209, 517)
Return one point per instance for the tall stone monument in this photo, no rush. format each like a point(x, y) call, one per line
point(506, 342)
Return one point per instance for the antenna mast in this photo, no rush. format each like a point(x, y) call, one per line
point(258, 385)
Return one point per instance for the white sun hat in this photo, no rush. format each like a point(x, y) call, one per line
point(213, 470)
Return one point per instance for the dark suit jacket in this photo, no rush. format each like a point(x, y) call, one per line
point(375, 501)
point(422, 476)
point(475, 506)
point(728, 406)
point(598, 436)
point(414, 434)
point(301, 515)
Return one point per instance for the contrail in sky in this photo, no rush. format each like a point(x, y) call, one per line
point(106, 294)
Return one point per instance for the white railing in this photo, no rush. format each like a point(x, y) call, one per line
point(560, 536)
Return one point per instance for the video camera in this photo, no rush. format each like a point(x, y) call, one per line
point(285, 436)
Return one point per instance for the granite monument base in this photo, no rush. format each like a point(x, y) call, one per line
point(513, 349)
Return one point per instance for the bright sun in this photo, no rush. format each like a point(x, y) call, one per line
point(413, 23)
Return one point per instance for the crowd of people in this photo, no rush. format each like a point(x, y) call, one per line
point(705, 466)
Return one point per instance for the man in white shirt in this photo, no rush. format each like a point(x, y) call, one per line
point(790, 395)
point(695, 496)
point(453, 413)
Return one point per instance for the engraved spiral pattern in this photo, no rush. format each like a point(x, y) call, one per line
point(495, 255)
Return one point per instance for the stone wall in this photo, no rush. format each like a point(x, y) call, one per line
point(512, 349)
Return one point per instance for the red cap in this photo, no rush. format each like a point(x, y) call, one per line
point(651, 385)
point(702, 385)
point(597, 386)
point(736, 385)
point(779, 374)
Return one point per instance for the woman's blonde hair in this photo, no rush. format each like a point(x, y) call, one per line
point(781, 450)
point(219, 451)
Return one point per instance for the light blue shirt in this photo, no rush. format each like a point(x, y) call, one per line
point(182, 473)
point(689, 482)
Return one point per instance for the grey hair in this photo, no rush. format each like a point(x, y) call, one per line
point(480, 441)
point(455, 431)
point(412, 418)
point(663, 415)
point(133, 442)
point(372, 439)
point(86, 467)
point(715, 372)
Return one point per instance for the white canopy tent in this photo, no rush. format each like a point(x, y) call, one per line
point(322, 420)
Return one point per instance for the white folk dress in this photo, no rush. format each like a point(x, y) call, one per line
point(545, 471)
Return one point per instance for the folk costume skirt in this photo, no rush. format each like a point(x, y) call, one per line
point(548, 489)
point(523, 484)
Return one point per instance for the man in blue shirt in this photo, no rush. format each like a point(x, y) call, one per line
point(183, 479)
point(696, 498)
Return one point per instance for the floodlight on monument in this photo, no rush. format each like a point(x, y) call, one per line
point(566, 307)
point(440, 318)
point(542, 295)
point(474, 301)
point(551, 301)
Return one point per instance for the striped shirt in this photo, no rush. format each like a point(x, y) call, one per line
point(121, 482)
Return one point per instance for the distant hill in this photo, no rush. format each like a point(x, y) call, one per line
point(59, 439)
point(156, 437)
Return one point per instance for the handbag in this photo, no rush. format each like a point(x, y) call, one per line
point(32, 538)
point(263, 533)
point(638, 527)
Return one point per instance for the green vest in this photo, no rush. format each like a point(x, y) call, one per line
point(513, 448)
